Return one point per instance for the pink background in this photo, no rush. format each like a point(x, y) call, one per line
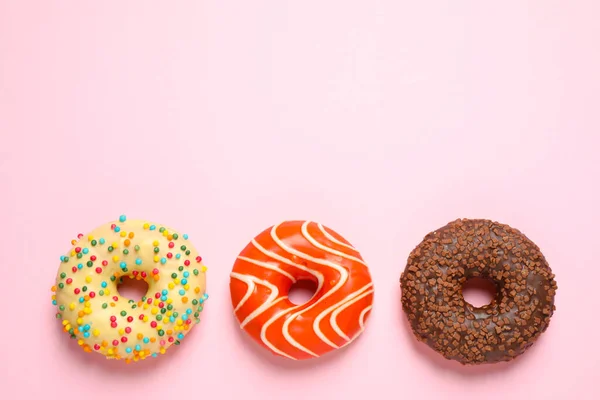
point(381, 119)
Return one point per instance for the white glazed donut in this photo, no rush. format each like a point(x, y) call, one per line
point(94, 313)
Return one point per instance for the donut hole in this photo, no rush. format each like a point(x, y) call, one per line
point(302, 291)
point(132, 289)
point(479, 292)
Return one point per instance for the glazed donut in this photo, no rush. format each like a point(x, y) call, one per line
point(463, 249)
point(94, 313)
point(278, 257)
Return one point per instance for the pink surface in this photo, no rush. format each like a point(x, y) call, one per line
point(381, 119)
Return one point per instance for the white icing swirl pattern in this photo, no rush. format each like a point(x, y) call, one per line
point(301, 250)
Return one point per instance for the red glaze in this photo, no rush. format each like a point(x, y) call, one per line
point(301, 250)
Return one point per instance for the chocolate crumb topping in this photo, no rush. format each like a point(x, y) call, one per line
point(466, 248)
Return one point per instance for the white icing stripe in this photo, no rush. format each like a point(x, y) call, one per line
point(317, 321)
point(333, 317)
point(361, 318)
point(250, 288)
point(315, 273)
point(343, 277)
point(328, 249)
point(333, 239)
point(361, 321)
point(263, 333)
point(249, 279)
point(268, 266)
point(292, 341)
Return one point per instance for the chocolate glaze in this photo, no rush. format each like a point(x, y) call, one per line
point(438, 314)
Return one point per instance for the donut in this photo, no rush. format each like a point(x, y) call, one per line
point(439, 316)
point(276, 259)
point(93, 312)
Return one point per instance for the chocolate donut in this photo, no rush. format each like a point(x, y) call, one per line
point(439, 316)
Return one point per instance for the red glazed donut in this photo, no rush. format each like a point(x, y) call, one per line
point(278, 257)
